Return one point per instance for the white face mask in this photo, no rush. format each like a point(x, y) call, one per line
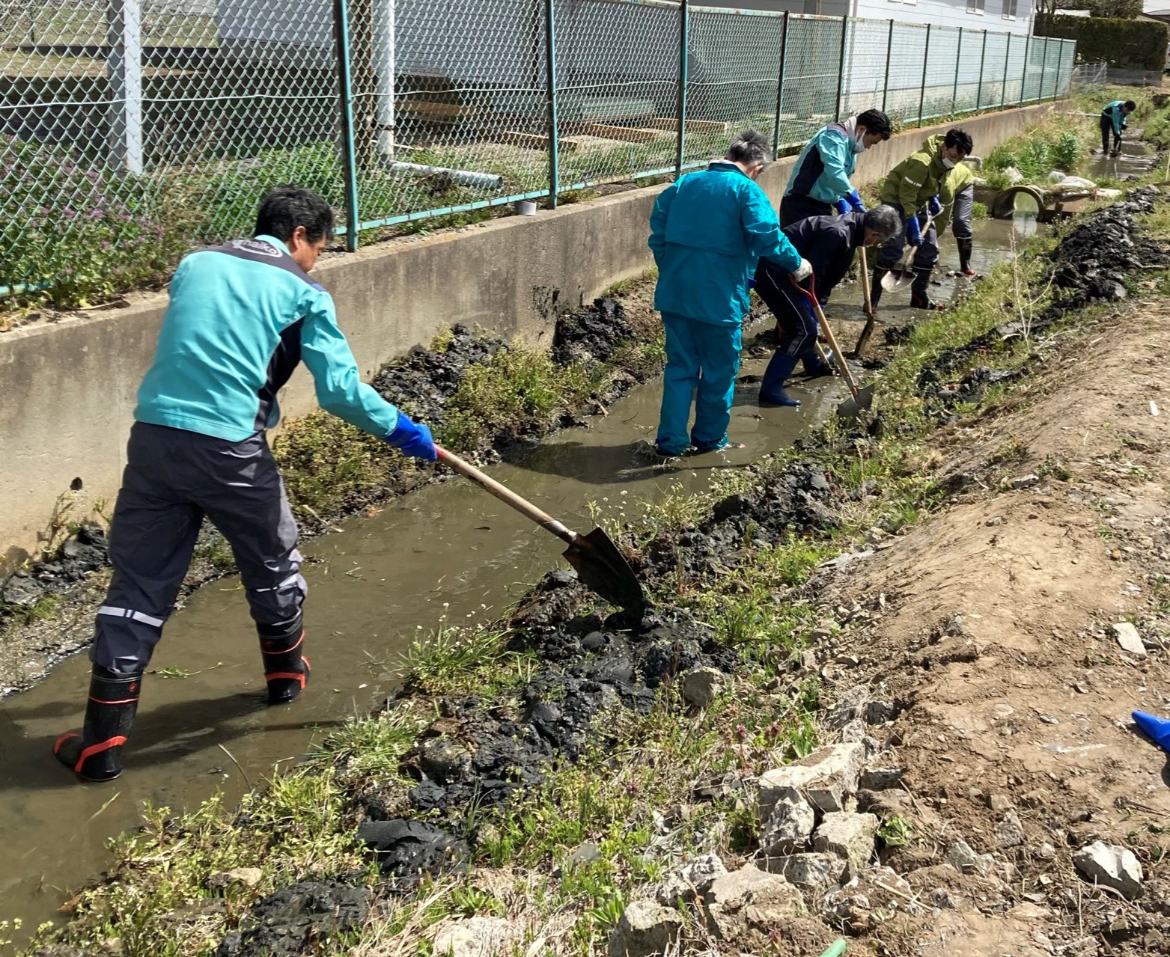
point(948, 163)
point(859, 141)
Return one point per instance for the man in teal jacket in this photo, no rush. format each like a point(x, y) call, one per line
point(241, 317)
point(821, 177)
point(708, 231)
point(1113, 120)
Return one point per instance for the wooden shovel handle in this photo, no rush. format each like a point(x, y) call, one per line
point(838, 356)
point(865, 283)
point(507, 496)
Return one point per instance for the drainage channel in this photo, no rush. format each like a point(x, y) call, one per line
point(447, 553)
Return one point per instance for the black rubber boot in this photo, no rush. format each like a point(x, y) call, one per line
point(965, 248)
point(920, 292)
point(96, 753)
point(286, 669)
point(875, 287)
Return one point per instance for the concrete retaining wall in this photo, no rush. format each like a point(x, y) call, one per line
point(68, 388)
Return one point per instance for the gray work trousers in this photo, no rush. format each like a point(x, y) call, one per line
point(927, 255)
point(174, 478)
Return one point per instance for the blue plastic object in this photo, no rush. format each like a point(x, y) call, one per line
point(1157, 729)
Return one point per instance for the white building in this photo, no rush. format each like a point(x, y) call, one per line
point(1005, 16)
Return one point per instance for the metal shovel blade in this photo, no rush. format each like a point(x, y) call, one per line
point(604, 569)
point(890, 280)
point(852, 407)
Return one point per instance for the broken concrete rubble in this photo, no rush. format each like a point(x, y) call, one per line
point(1111, 866)
point(826, 779)
point(749, 900)
point(694, 878)
point(646, 929)
point(849, 836)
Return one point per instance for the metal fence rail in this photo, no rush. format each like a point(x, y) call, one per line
point(132, 130)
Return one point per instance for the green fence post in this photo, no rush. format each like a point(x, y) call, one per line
point(889, 54)
point(1024, 72)
point(841, 67)
point(982, 57)
point(348, 155)
point(958, 60)
point(922, 88)
point(1007, 58)
point(554, 135)
point(684, 34)
point(780, 85)
point(1043, 68)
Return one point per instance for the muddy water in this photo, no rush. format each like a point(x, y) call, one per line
point(448, 551)
point(1137, 158)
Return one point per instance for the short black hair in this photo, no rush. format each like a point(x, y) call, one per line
point(750, 148)
point(875, 121)
point(1130, 105)
point(284, 208)
point(961, 139)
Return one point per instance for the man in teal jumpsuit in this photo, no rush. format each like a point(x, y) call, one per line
point(708, 231)
point(1113, 120)
point(241, 317)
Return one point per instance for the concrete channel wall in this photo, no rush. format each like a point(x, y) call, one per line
point(68, 388)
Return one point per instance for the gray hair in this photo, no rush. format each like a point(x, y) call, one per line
point(750, 148)
point(884, 220)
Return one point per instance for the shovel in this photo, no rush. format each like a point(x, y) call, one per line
point(599, 564)
point(863, 339)
point(859, 398)
point(888, 280)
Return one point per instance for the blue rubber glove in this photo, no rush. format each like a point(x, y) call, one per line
point(842, 207)
point(414, 439)
point(913, 231)
point(934, 205)
point(855, 201)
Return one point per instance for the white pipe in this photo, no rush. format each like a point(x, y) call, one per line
point(462, 177)
point(385, 72)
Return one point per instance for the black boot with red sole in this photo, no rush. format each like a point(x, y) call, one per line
point(286, 669)
point(96, 753)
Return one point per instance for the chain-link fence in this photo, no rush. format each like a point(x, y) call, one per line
point(132, 130)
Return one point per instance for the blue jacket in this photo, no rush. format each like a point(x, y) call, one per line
point(708, 232)
point(823, 168)
point(1113, 113)
point(240, 319)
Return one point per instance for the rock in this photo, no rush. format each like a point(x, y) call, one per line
point(850, 836)
point(1046, 852)
point(244, 876)
point(1111, 866)
point(967, 861)
point(444, 760)
point(585, 854)
point(1009, 832)
point(750, 900)
point(701, 686)
point(825, 779)
point(21, 592)
point(881, 779)
point(824, 630)
point(997, 802)
point(1025, 481)
point(875, 888)
point(694, 878)
point(789, 826)
point(850, 708)
point(1128, 638)
point(808, 870)
point(880, 712)
point(475, 937)
point(646, 928)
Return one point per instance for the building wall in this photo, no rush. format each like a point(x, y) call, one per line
point(950, 13)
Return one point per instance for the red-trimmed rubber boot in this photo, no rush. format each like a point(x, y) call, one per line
point(286, 669)
point(920, 293)
point(966, 247)
point(96, 753)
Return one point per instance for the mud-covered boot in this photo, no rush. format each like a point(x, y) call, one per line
point(772, 388)
point(875, 287)
point(920, 292)
point(96, 753)
point(286, 669)
point(814, 368)
point(966, 247)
